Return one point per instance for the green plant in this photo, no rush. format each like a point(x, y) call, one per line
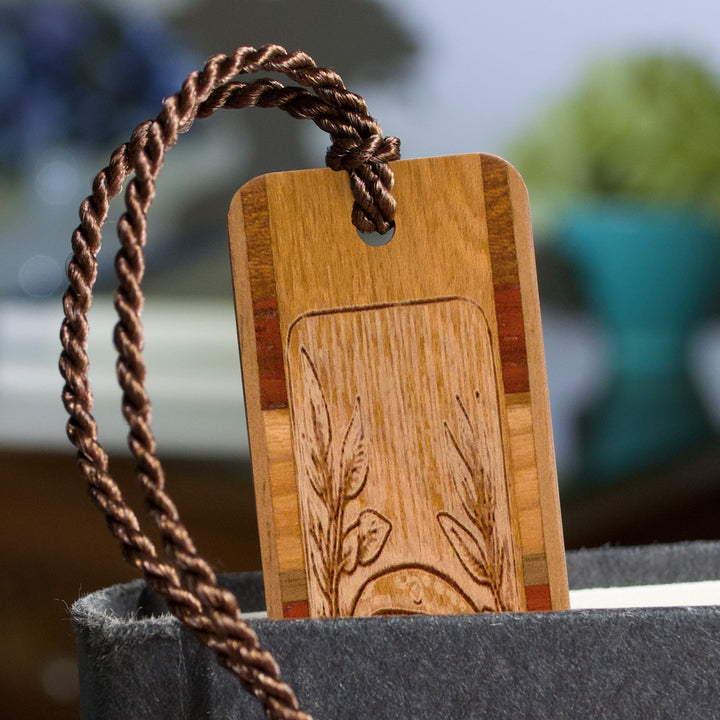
point(644, 128)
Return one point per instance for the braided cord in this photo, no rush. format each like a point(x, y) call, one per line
point(184, 579)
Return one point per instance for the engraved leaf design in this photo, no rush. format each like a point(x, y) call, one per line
point(320, 416)
point(466, 546)
point(461, 473)
point(317, 434)
point(467, 434)
point(364, 539)
point(317, 479)
point(350, 547)
point(373, 531)
point(354, 456)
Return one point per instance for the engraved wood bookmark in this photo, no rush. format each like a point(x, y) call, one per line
point(396, 395)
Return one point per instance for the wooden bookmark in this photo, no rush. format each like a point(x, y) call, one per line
point(396, 395)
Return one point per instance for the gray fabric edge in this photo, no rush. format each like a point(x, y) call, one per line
point(644, 565)
point(115, 611)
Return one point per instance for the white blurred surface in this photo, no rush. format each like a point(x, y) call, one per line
point(194, 377)
point(692, 594)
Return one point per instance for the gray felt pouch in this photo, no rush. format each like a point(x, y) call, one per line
point(136, 661)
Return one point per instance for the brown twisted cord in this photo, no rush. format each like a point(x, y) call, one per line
point(187, 582)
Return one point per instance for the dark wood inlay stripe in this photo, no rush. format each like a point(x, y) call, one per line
point(535, 570)
point(273, 389)
point(506, 281)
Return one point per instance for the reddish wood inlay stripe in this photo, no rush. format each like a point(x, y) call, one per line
point(506, 281)
point(273, 390)
point(538, 597)
point(296, 610)
point(511, 339)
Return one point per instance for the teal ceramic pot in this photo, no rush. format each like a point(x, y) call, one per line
point(650, 276)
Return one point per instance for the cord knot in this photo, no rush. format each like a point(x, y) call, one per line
point(371, 179)
point(350, 153)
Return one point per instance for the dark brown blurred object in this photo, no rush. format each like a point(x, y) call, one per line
point(54, 546)
point(678, 502)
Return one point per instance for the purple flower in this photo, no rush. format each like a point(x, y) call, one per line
point(80, 74)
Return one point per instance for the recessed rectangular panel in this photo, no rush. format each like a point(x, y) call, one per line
point(404, 504)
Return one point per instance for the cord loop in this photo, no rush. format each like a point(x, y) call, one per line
point(183, 577)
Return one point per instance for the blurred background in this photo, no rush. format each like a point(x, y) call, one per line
point(612, 114)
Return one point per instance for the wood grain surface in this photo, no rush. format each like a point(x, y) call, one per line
point(396, 395)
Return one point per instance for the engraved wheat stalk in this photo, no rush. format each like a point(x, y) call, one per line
point(336, 548)
point(483, 553)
